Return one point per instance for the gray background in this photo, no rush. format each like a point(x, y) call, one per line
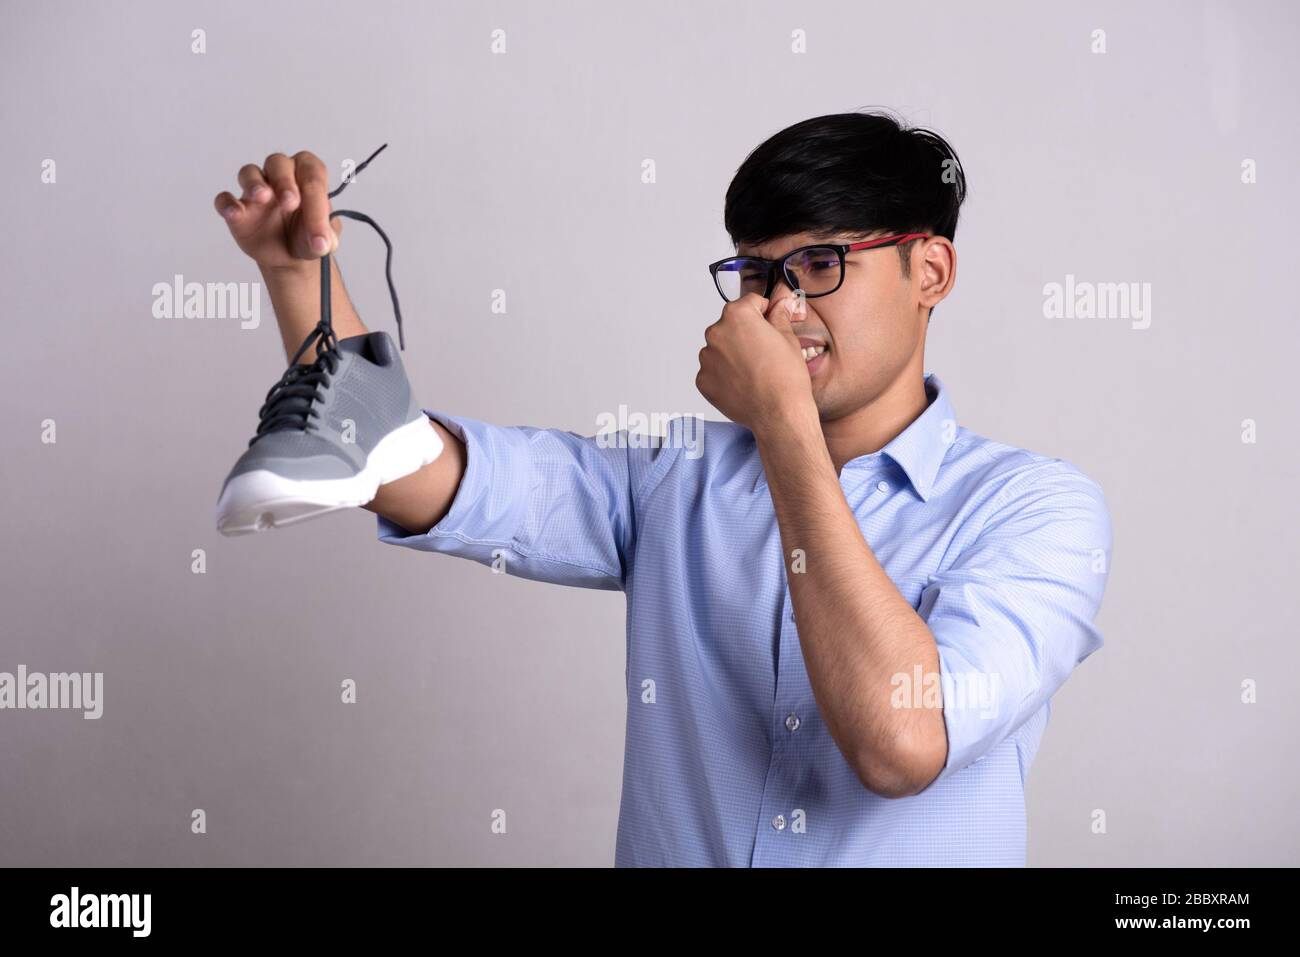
point(479, 691)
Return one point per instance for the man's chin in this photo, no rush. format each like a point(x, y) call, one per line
point(828, 410)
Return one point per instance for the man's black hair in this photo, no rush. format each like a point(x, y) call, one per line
point(847, 172)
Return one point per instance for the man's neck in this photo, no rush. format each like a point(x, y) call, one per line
point(875, 425)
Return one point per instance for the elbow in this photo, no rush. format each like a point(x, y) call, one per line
point(904, 769)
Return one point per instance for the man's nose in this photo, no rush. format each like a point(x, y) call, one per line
point(798, 303)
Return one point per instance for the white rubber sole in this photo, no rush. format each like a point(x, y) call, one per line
point(260, 499)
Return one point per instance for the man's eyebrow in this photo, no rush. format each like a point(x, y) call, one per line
point(754, 255)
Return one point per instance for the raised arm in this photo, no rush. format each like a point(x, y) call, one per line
point(282, 222)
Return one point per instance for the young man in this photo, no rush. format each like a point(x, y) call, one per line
point(847, 616)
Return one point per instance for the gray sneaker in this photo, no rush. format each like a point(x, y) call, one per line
point(330, 434)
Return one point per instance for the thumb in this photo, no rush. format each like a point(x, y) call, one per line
point(779, 317)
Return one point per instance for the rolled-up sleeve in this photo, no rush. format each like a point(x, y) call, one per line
point(1014, 614)
point(543, 504)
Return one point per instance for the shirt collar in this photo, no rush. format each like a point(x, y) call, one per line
point(919, 449)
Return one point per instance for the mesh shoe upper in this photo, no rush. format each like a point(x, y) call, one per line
point(358, 399)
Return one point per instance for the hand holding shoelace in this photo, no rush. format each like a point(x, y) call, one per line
point(282, 219)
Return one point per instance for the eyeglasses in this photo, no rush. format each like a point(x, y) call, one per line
point(815, 270)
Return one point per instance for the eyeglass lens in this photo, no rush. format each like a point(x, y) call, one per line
point(817, 271)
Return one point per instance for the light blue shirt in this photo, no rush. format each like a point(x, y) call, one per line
point(1003, 552)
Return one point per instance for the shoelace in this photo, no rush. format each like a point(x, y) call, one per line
point(291, 403)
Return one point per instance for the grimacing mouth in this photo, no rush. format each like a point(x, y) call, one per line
point(812, 347)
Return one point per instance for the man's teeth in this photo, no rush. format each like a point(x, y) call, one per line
point(812, 352)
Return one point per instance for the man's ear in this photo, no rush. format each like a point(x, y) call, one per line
point(935, 265)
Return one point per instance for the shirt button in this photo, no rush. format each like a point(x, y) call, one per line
point(792, 722)
point(778, 822)
point(883, 486)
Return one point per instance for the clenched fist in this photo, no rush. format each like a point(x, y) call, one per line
point(282, 218)
point(752, 367)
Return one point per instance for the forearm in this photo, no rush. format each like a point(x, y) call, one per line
point(856, 630)
point(419, 501)
point(295, 297)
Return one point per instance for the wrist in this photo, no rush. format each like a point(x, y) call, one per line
point(792, 438)
point(799, 418)
point(294, 270)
